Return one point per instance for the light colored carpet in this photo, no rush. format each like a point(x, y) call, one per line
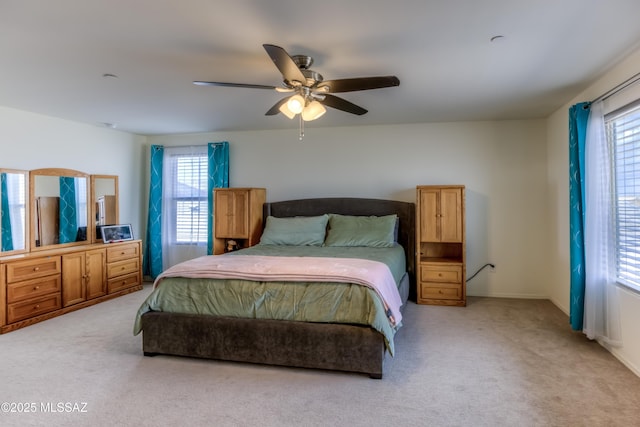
point(497, 362)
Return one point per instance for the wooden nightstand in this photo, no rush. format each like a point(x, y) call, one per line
point(440, 235)
point(237, 217)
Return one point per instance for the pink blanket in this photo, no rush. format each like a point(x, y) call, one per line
point(373, 274)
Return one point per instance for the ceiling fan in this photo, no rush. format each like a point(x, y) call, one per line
point(310, 93)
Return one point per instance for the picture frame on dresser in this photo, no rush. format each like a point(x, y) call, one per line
point(116, 233)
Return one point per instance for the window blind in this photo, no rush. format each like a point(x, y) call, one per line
point(16, 184)
point(190, 198)
point(623, 133)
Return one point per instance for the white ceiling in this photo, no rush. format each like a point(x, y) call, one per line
point(53, 55)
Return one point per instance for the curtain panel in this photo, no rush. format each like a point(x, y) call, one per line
point(594, 304)
point(5, 214)
point(578, 117)
point(152, 263)
point(184, 203)
point(601, 304)
point(218, 153)
point(68, 214)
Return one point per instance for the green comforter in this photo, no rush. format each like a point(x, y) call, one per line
point(299, 301)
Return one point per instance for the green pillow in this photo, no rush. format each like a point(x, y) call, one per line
point(295, 231)
point(372, 231)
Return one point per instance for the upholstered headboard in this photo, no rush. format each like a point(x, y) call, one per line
point(357, 206)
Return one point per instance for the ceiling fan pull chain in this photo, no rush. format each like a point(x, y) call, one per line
point(301, 127)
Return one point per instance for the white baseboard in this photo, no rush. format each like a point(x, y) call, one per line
point(509, 295)
point(621, 357)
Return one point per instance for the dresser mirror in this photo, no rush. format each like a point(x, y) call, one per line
point(59, 209)
point(104, 197)
point(14, 197)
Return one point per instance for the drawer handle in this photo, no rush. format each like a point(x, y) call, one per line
point(439, 274)
point(440, 291)
point(122, 253)
point(37, 306)
point(36, 268)
point(35, 288)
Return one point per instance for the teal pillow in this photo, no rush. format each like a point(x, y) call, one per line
point(295, 231)
point(372, 231)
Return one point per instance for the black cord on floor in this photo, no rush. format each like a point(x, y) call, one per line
point(480, 269)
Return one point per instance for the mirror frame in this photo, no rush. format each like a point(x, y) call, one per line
point(32, 201)
point(27, 212)
point(94, 200)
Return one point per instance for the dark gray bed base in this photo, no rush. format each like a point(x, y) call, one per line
point(352, 348)
point(271, 342)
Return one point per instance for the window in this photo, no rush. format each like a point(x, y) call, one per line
point(623, 136)
point(16, 184)
point(81, 201)
point(187, 195)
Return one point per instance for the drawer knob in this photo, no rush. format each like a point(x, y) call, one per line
point(122, 253)
point(440, 274)
point(35, 288)
point(37, 306)
point(36, 268)
point(440, 291)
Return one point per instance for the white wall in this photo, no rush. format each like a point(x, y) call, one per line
point(502, 164)
point(32, 141)
point(558, 277)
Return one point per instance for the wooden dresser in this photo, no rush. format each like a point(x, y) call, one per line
point(440, 236)
point(40, 285)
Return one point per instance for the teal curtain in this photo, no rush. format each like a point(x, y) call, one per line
point(578, 118)
point(68, 217)
point(218, 171)
point(152, 264)
point(7, 237)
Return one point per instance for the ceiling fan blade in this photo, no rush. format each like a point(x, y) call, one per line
point(342, 104)
point(285, 64)
point(276, 108)
point(359, 83)
point(250, 86)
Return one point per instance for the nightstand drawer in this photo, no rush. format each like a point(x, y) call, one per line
point(33, 288)
point(33, 307)
point(443, 273)
point(440, 291)
point(31, 269)
point(121, 268)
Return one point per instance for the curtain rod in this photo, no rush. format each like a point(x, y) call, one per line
point(622, 86)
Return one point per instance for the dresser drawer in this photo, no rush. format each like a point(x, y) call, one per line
point(33, 288)
point(441, 273)
point(440, 291)
point(115, 269)
point(33, 268)
point(33, 307)
point(123, 282)
point(122, 252)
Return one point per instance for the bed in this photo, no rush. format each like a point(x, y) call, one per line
point(341, 345)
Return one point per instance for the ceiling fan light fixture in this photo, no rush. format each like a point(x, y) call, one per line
point(284, 109)
point(296, 104)
point(313, 111)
